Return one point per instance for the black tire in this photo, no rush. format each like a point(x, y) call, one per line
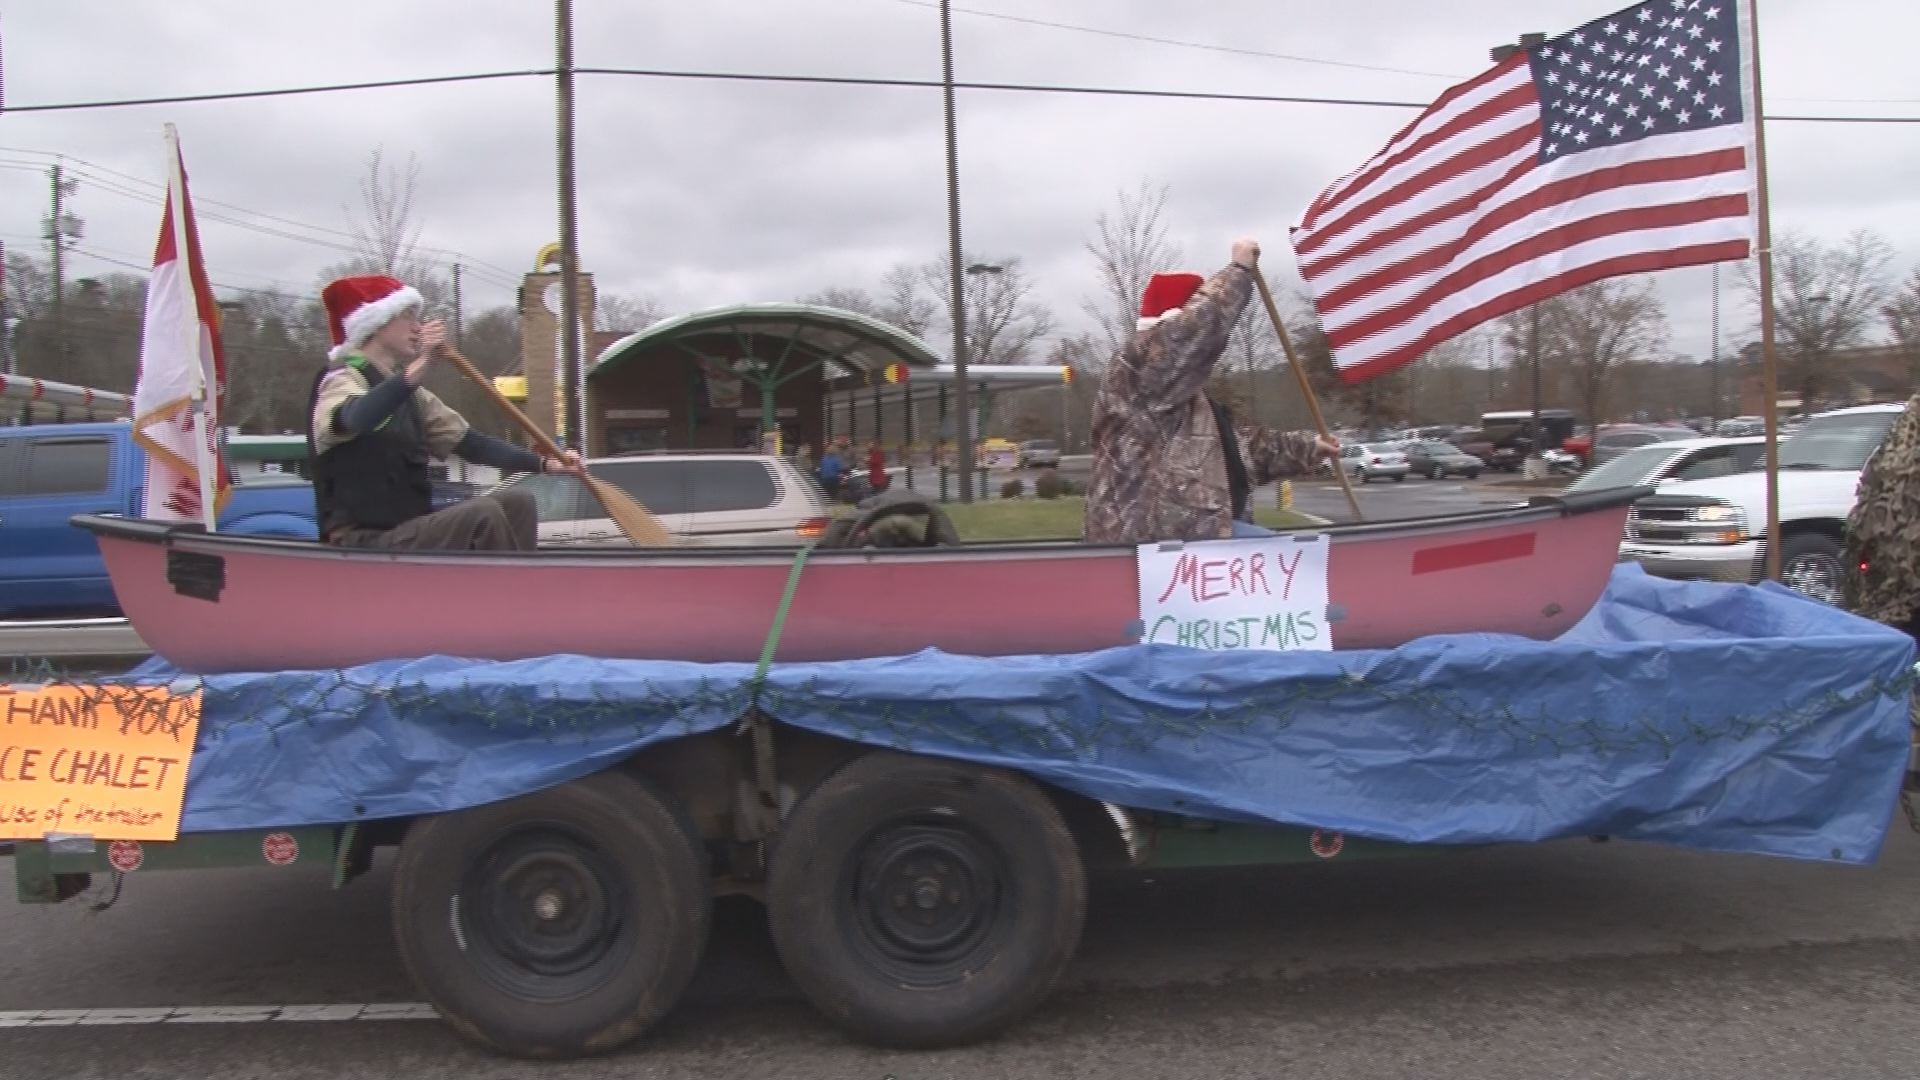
point(1399, 478)
point(854, 891)
point(480, 908)
point(1811, 565)
point(1473, 474)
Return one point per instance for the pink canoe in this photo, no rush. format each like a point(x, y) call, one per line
point(222, 603)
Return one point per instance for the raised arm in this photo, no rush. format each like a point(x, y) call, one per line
point(1172, 360)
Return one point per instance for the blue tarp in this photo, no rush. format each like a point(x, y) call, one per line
point(1730, 718)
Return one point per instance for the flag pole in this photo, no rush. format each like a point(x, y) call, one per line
point(202, 445)
point(1306, 388)
point(1770, 381)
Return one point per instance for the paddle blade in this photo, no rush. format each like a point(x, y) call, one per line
point(634, 520)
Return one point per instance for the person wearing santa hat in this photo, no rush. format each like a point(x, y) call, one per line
point(1164, 458)
point(372, 428)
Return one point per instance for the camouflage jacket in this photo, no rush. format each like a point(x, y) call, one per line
point(1159, 471)
point(1883, 529)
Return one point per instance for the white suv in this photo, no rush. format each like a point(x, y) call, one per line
point(1716, 529)
point(731, 499)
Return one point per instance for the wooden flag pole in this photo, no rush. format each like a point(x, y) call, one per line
point(1306, 388)
point(1770, 380)
point(635, 521)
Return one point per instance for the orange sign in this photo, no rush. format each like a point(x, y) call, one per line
point(108, 762)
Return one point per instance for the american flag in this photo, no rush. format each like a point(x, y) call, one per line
point(1622, 147)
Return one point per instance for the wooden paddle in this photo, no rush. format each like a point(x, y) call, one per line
point(635, 521)
point(1306, 388)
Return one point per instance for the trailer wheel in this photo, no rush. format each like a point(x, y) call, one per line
point(922, 903)
point(556, 925)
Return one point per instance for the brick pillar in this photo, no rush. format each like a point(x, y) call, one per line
point(538, 351)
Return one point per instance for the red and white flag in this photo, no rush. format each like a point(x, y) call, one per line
point(181, 395)
point(1621, 147)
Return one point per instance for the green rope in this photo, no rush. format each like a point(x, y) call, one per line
point(779, 620)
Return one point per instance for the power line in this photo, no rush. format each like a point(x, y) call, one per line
point(498, 275)
point(1208, 46)
point(831, 80)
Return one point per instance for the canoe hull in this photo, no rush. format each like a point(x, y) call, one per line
point(212, 604)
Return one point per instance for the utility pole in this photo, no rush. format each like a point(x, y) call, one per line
point(456, 304)
point(1535, 467)
point(962, 393)
point(1713, 365)
point(569, 245)
point(56, 239)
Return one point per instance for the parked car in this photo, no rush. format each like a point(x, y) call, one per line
point(1039, 453)
point(1437, 460)
point(1716, 529)
point(1682, 459)
point(1741, 425)
point(1612, 440)
point(1367, 461)
point(51, 472)
point(732, 499)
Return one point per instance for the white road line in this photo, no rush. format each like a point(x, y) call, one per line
point(216, 1014)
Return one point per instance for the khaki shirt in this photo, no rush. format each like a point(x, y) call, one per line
point(445, 428)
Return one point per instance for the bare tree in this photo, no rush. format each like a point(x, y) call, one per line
point(905, 304)
point(387, 236)
point(1589, 334)
point(903, 301)
point(625, 313)
point(1129, 246)
point(1004, 325)
point(1825, 298)
point(1903, 323)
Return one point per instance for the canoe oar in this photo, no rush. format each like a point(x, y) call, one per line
point(1313, 403)
point(634, 520)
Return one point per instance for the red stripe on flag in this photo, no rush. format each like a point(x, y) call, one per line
point(1539, 246)
point(1506, 303)
point(1473, 157)
point(1487, 112)
point(1339, 190)
point(1658, 171)
point(1421, 222)
point(1476, 553)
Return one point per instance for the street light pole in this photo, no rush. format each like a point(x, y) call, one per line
point(963, 397)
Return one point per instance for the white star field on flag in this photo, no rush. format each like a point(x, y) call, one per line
point(1662, 67)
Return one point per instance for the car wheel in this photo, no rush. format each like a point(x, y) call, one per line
point(1810, 565)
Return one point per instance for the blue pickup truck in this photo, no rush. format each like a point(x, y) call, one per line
point(50, 472)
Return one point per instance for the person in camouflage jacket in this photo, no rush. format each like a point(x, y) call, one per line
point(1883, 529)
point(1159, 465)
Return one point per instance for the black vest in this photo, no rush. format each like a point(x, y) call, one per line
point(1239, 484)
point(373, 481)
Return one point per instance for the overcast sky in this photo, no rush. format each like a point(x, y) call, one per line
point(703, 193)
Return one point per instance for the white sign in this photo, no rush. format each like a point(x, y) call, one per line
point(1266, 592)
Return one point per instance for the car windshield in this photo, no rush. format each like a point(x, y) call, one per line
point(1836, 442)
point(1627, 470)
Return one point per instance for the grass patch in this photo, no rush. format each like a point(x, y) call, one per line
point(1058, 519)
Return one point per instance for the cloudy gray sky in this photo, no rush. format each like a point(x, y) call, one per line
point(700, 193)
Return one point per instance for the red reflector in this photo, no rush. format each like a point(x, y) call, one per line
point(812, 527)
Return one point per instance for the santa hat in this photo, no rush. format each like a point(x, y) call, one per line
point(357, 307)
point(1166, 294)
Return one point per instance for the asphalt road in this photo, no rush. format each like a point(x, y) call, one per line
point(1571, 959)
